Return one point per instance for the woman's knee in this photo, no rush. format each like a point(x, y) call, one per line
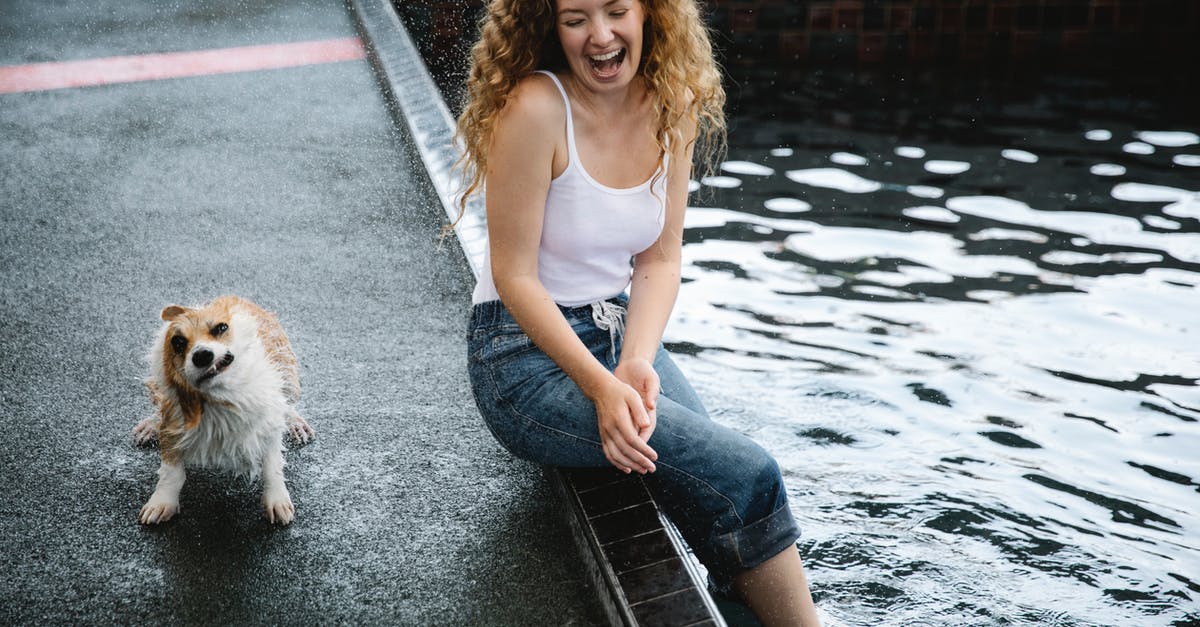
point(740, 473)
point(769, 493)
point(751, 478)
point(750, 517)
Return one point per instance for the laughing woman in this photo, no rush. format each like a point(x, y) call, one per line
point(582, 120)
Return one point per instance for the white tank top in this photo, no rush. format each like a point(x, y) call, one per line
point(590, 231)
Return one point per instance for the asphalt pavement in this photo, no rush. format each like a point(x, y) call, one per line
point(291, 187)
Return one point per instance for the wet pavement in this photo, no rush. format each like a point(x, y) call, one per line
point(293, 188)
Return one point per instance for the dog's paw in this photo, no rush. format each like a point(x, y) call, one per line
point(301, 431)
point(157, 511)
point(146, 431)
point(278, 507)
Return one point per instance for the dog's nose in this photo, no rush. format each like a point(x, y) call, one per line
point(202, 358)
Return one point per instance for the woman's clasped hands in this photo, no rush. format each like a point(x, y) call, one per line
point(625, 412)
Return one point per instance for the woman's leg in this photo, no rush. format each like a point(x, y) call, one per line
point(777, 591)
point(723, 491)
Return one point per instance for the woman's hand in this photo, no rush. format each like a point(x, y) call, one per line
point(639, 374)
point(622, 418)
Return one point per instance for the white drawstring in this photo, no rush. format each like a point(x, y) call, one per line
point(609, 317)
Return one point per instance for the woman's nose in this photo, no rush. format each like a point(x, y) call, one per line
point(601, 33)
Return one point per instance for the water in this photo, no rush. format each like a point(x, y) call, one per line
point(966, 328)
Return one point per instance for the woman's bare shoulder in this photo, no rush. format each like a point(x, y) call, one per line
point(529, 127)
point(537, 99)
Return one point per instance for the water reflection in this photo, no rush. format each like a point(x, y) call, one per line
point(970, 346)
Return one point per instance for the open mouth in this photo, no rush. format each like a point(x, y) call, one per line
point(608, 64)
point(216, 368)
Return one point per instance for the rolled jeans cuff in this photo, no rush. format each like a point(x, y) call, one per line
point(735, 552)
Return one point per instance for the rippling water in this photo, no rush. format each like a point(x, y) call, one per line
point(968, 333)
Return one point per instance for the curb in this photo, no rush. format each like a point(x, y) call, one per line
point(638, 563)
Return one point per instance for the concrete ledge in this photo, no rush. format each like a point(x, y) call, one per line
point(640, 566)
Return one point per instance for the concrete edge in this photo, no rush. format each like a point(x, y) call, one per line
point(414, 98)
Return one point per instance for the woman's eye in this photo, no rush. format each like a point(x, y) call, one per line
point(620, 13)
point(220, 329)
point(179, 344)
point(572, 23)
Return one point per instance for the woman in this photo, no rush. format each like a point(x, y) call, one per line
point(581, 121)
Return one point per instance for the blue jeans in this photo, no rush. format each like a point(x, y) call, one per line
point(723, 492)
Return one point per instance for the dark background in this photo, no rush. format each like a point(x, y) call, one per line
point(792, 58)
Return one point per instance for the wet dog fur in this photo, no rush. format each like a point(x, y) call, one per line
point(225, 383)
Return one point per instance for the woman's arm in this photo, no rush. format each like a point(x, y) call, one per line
point(656, 275)
point(520, 165)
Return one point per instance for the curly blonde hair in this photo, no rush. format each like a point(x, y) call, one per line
point(520, 36)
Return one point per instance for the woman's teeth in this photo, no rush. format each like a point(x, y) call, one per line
point(609, 62)
point(604, 57)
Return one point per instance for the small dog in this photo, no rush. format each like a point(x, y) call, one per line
point(224, 381)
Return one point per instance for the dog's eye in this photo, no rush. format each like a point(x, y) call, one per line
point(220, 329)
point(179, 343)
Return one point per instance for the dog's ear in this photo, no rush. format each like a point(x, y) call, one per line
point(173, 312)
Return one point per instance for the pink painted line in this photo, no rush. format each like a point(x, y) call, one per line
point(151, 67)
